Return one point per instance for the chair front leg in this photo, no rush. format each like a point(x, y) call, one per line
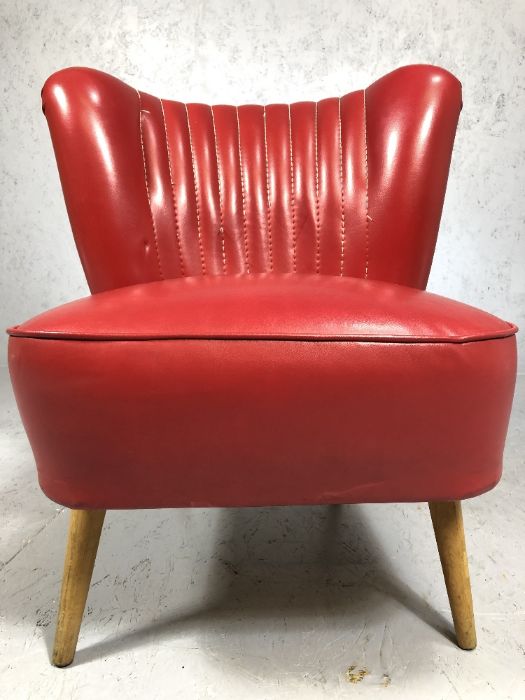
point(85, 527)
point(447, 520)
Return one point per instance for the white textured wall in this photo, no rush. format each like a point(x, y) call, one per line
point(240, 50)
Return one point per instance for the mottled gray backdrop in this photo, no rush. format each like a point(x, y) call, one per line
point(267, 50)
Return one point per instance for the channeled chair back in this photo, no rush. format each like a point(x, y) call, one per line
point(346, 186)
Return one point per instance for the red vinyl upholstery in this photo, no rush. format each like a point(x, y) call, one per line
point(259, 332)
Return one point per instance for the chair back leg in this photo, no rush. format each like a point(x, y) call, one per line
point(447, 519)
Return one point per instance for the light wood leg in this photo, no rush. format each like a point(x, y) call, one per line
point(85, 527)
point(450, 537)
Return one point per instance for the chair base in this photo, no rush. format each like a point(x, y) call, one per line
point(84, 534)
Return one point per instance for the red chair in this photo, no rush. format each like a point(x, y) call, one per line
point(258, 332)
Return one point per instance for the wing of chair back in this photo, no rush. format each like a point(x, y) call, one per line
point(158, 189)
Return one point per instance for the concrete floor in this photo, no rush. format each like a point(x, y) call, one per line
point(262, 603)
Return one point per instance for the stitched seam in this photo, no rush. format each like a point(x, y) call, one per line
point(147, 187)
point(355, 337)
point(343, 231)
point(221, 214)
point(367, 218)
point(317, 222)
point(244, 224)
point(268, 206)
point(175, 209)
point(292, 193)
point(197, 207)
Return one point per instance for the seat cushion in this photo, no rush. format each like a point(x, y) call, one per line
point(280, 307)
point(263, 390)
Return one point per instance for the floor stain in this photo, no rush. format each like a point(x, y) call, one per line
point(356, 675)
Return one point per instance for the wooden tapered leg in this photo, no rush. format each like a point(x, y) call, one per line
point(447, 519)
point(85, 527)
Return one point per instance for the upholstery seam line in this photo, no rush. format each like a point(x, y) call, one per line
point(244, 222)
point(317, 213)
point(197, 206)
point(341, 177)
point(292, 191)
point(268, 205)
point(146, 184)
point(221, 212)
point(367, 215)
point(423, 340)
point(175, 208)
